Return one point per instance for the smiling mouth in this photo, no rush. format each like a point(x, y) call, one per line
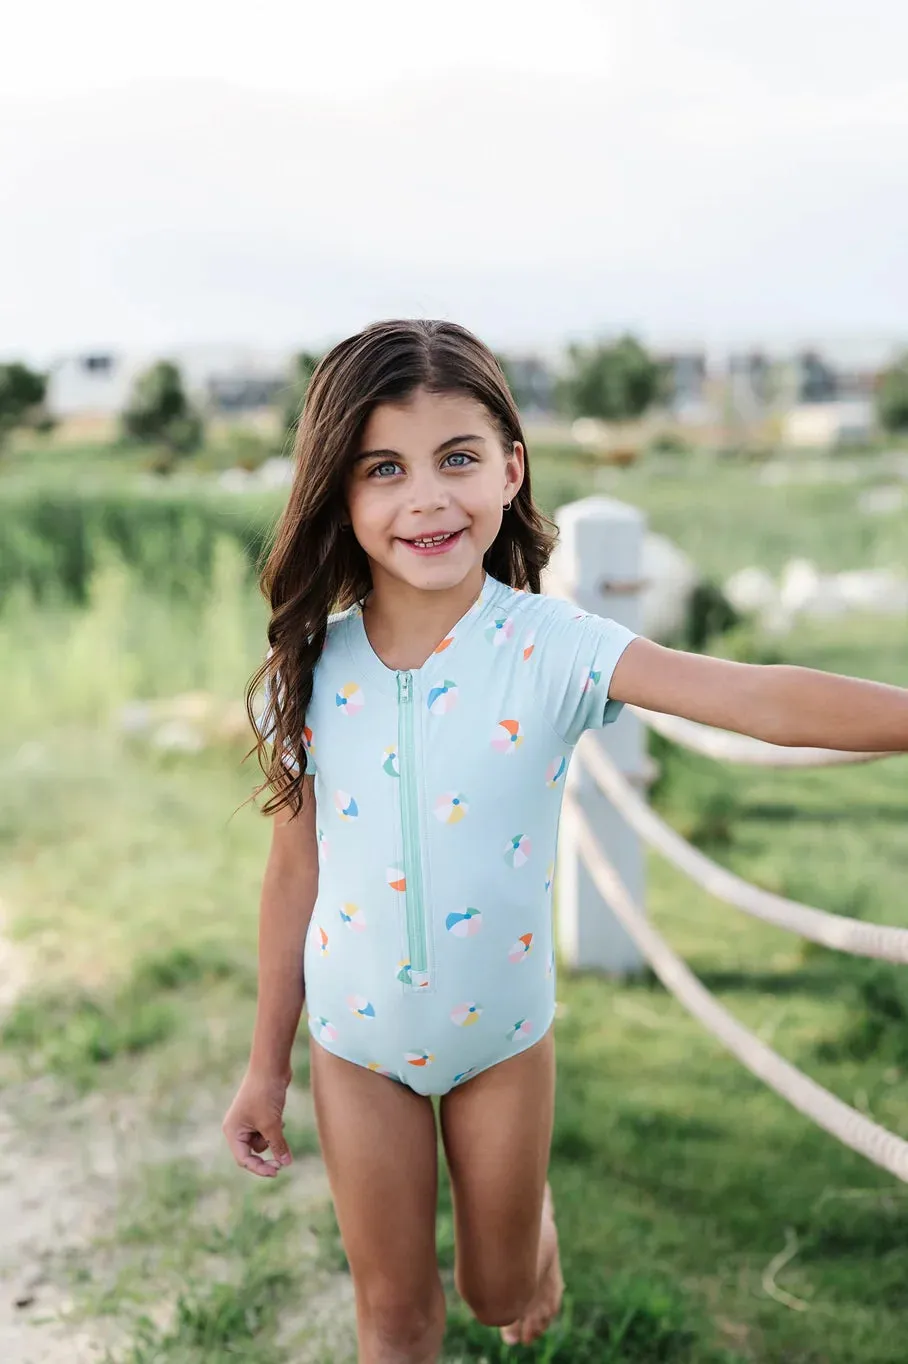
point(434, 542)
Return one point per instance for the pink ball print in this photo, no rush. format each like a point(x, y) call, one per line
point(465, 1014)
point(345, 805)
point(507, 736)
point(592, 680)
point(522, 948)
point(324, 846)
point(451, 808)
point(517, 852)
point(350, 699)
point(360, 1006)
point(500, 631)
point(324, 1031)
point(555, 771)
point(352, 917)
point(442, 698)
point(522, 1028)
point(464, 924)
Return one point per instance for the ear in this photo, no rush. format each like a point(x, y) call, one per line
point(515, 464)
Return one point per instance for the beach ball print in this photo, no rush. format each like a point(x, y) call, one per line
point(324, 1031)
point(381, 1070)
point(529, 644)
point(555, 771)
point(592, 681)
point(507, 736)
point(345, 805)
point(464, 923)
point(464, 1075)
point(353, 918)
point(549, 874)
point(442, 698)
point(360, 1006)
point(308, 740)
point(517, 851)
point(522, 947)
point(465, 1014)
point(418, 1058)
point(350, 699)
point(396, 879)
point(522, 1028)
point(445, 644)
point(390, 763)
point(451, 808)
point(500, 631)
point(322, 941)
point(324, 847)
point(407, 976)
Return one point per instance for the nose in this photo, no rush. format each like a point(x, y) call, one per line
point(427, 492)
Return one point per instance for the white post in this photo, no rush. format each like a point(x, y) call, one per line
point(598, 563)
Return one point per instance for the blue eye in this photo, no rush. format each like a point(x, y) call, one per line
point(386, 464)
point(461, 454)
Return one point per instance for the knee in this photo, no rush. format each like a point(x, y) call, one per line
point(403, 1321)
point(498, 1302)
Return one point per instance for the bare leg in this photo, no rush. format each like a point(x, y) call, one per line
point(379, 1143)
point(497, 1130)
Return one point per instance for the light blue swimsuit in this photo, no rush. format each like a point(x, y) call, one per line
point(430, 955)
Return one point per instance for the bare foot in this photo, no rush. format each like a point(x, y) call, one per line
point(549, 1284)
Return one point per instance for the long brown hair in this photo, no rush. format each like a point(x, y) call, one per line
point(314, 567)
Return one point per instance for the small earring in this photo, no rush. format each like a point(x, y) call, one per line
point(506, 507)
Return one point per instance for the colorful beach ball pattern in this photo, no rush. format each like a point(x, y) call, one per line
point(396, 879)
point(418, 1058)
point(324, 1031)
point(522, 1028)
point(549, 874)
point(308, 740)
point(324, 846)
point(445, 644)
point(350, 699)
point(500, 631)
point(451, 807)
point(555, 771)
point(390, 763)
point(381, 1070)
point(465, 923)
point(407, 976)
point(529, 644)
point(522, 947)
point(345, 805)
point(352, 917)
point(322, 941)
point(517, 851)
point(360, 1006)
point(465, 1014)
point(442, 698)
point(463, 1075)
point(507, 736)
point(592, 680)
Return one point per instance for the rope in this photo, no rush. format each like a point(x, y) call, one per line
point(868, 1138)
point(741, 748)
point(831, 930)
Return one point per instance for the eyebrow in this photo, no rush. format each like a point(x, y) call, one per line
point(445, 445)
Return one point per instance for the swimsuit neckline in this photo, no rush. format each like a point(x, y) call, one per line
point(368, 659)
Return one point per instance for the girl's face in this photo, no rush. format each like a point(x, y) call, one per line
point(430, 469)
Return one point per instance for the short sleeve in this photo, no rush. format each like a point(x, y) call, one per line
point(265, 721)
point(579, 652)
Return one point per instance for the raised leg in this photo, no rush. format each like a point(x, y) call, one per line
point(379, 1142)
point(497, 1130)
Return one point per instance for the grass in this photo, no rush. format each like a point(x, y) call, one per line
point(130, 879)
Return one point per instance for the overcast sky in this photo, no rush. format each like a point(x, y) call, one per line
point(281, 173)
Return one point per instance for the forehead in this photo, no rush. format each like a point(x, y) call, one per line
point(425, 420)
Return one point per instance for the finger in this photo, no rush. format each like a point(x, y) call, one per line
point(258, 1143)
point(277, 1144)
point(240, 1141)
point(256, 1166)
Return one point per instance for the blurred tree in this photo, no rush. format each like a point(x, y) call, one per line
point(22, 394)
point(613, 382)
point(159, 413)
point(304, 365)
point(892, 397)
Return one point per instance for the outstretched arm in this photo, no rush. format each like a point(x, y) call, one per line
point(782, 704)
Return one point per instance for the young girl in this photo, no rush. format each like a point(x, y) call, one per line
point(420, 740)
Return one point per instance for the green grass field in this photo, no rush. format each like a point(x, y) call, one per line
point(702, 1220)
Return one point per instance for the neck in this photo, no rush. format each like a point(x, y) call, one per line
point(406, 623)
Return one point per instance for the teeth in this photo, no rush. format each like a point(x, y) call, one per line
point(435, 539)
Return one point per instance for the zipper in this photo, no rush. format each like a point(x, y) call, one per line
point(416, 911)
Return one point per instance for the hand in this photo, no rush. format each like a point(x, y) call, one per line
point(254, 1123)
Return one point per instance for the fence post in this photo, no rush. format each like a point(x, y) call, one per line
point(598, 562)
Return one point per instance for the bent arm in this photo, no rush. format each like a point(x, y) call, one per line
point(779, 703)
point(289, 890)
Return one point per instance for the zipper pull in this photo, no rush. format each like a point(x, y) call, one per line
point(403, 686)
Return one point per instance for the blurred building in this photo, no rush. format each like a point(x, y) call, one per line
point(221, 379)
